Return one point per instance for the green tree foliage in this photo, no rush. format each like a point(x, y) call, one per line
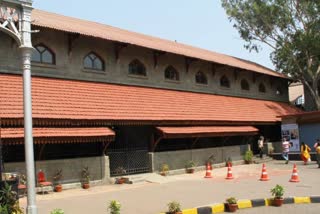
point(291, 28)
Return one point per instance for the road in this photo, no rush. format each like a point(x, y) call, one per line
point(191, 191)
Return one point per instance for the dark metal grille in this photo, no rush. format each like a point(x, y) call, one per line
point(128, 161)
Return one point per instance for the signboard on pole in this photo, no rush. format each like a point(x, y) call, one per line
point(291, 133)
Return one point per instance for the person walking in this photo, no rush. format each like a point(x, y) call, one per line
point(318, 155)
point(305, 153)
point(316, 144)
point(260, 146)
point(285, 149)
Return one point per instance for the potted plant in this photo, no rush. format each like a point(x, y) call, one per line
point(85, 177)
point(57, 211)
point(57, 180)
point(164, 169)
point(229, 161)
point(248, 157)
point(114, 207)
point(231, 204)
point(190, 165)
point(277, 192)
point(174, 208)
point(120, 171)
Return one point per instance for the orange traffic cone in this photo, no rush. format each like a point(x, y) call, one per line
point(294, 177)
point(229, 174)
point(264, 174)
point(208, 171)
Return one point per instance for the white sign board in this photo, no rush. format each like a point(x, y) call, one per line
point(291, 133)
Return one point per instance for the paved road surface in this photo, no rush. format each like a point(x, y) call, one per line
point(191, 191)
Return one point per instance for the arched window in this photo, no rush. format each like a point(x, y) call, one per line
point(201, 78)
point(93, 61)
point(245, 85)
point(137, 68)
point(171, 73)
point(279, 91)
point(44, 55)
point(224, 82)
point(262, 88)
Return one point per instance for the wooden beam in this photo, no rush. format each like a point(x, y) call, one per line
point(41, 151)
point(72, 37)
point(254, 77)
point(194, 142)
point(213, 69)
point(118, 48)
point(155, 143)
point(156, 55)
point(106, 145)
point(235, 73)
point(188, 62)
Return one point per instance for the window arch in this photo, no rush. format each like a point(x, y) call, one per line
point(93, 61)
point(262, 88)
point(171, 73)
point(224, 82)
point(137, 68)
point(43, 54)
point(245, 85)
point(201, 78)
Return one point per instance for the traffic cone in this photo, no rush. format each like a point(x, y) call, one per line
point(208, 171)
point(264, 174)
point(229, 174)
point(294, 177)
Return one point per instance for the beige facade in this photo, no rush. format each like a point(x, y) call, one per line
point(295, 91)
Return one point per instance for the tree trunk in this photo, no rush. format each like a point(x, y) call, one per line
point(312, 99)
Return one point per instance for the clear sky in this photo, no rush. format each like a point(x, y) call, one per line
point(200, 23)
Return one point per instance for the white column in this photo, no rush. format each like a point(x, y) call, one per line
point(26, 53)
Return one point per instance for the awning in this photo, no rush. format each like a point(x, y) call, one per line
point(59, 135)
point(206, 131)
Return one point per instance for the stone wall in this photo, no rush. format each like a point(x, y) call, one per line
point(178, 159)
point(69, 65)
point(71, 168)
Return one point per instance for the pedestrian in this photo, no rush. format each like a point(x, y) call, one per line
point(305, 155)
point(316, 144)
point(260, 146)
point(285, 149)
point(318, 155)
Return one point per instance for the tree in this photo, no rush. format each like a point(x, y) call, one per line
point(291, 28)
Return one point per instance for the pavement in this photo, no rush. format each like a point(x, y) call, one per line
point(191, 190)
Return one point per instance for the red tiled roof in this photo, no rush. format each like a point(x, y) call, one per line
point(69, 99)
point(88, 28)
point(58, 132)
point(207, 131)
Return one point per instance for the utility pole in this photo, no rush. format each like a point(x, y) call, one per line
point(13, 14)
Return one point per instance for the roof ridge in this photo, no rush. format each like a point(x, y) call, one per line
point(132, 37)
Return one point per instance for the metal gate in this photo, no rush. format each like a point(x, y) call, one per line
point(128, 161)
point(129, 153)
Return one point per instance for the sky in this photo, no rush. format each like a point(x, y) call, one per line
point(200, 23)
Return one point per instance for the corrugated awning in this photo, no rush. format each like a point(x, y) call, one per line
point(59, 135)
point(206, 131)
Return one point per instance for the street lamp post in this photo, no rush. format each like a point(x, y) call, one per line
point(11, 13)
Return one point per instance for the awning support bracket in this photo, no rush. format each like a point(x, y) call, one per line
point(155, 142)
point(106, 145)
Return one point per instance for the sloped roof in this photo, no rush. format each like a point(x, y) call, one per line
point(70, 99)
point(59, 132)
point(207, 131)
point(73, 25)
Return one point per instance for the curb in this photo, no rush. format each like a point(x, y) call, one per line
point(245, 203)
